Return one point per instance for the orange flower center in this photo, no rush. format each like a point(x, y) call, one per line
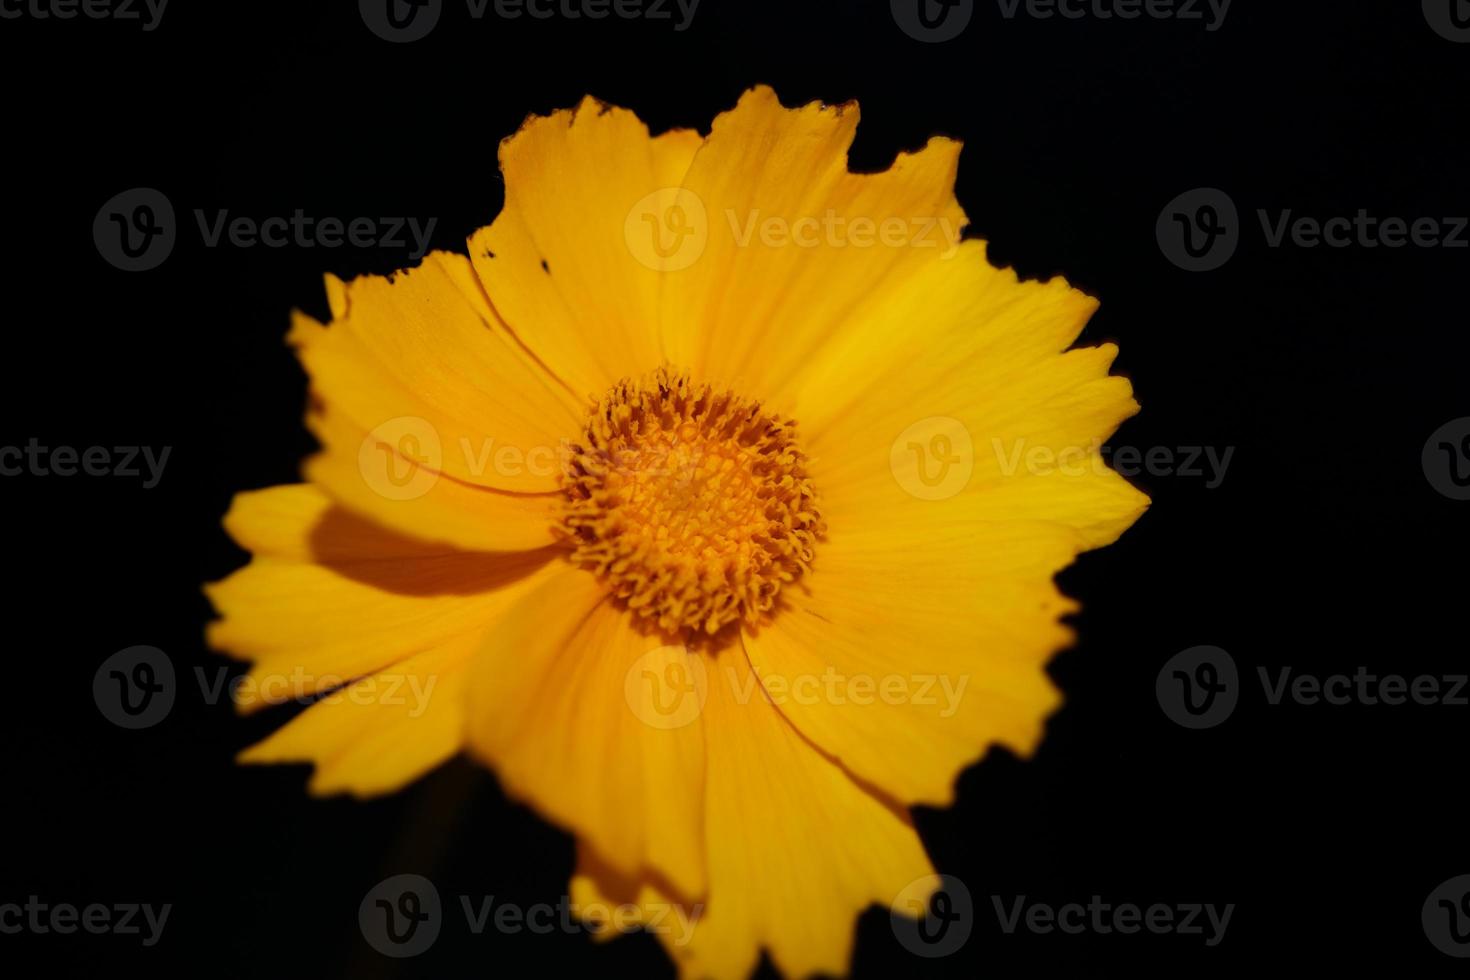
point(692, 504)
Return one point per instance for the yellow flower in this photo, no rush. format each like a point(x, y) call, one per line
point(713, 501)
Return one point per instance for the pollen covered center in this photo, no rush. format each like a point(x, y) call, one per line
point(694, 505)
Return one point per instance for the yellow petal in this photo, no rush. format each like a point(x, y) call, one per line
point(796, 243)
point(330, 599)
point(907, 657)
point(948, 328)
point(424, 344)
point(797, 849)
point(611, 904)
point(959, 466)
point(986, 419)
point(380, 732)
point(383, 477)
point(557, 708)
point(980, 443)
point(557, 263)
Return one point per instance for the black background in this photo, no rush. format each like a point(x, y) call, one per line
point(1324, 547)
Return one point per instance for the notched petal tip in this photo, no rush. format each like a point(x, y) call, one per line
point(764, 92)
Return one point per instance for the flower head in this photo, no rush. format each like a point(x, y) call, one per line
point(701, 495)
